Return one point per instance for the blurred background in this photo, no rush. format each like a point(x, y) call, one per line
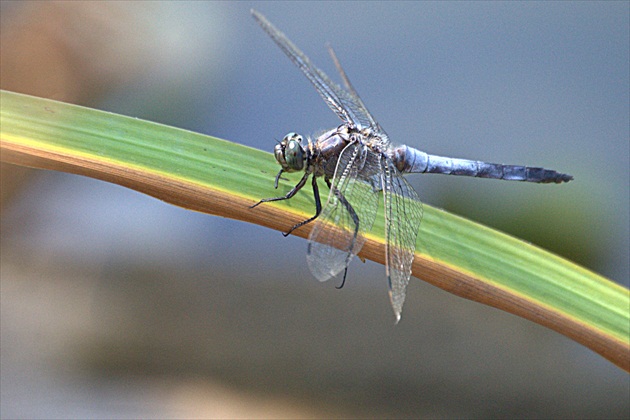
point(114, 304)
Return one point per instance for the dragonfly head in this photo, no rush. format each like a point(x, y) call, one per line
point(290, 153)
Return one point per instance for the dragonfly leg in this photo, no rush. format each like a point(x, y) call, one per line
point(343, 281)
point(275, 184)
point(288, 195)
point(355, 219)
point(318, 208)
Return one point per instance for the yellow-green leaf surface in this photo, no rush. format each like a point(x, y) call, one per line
point(198, 172)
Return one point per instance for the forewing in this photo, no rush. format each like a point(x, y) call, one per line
point(403, 213)
point(340, 101)
point(359, 106)
point(336, 237)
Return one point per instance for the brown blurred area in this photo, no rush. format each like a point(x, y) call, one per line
point(67, 51)
point(70, 51)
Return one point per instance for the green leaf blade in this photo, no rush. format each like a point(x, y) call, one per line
point(198, 172)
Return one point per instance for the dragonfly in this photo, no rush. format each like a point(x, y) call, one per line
point(359, 164)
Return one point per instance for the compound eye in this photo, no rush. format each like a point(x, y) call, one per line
point(292, 136)
point(278, 152)
point(294, 154)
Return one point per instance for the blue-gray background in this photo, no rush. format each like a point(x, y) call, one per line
point(543, 84)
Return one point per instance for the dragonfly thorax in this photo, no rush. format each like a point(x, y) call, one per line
point(290, 153)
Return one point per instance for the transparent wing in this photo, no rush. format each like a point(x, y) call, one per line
point(403, 213)
point(384, 139)
point(343, 103)
point(338, 233)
